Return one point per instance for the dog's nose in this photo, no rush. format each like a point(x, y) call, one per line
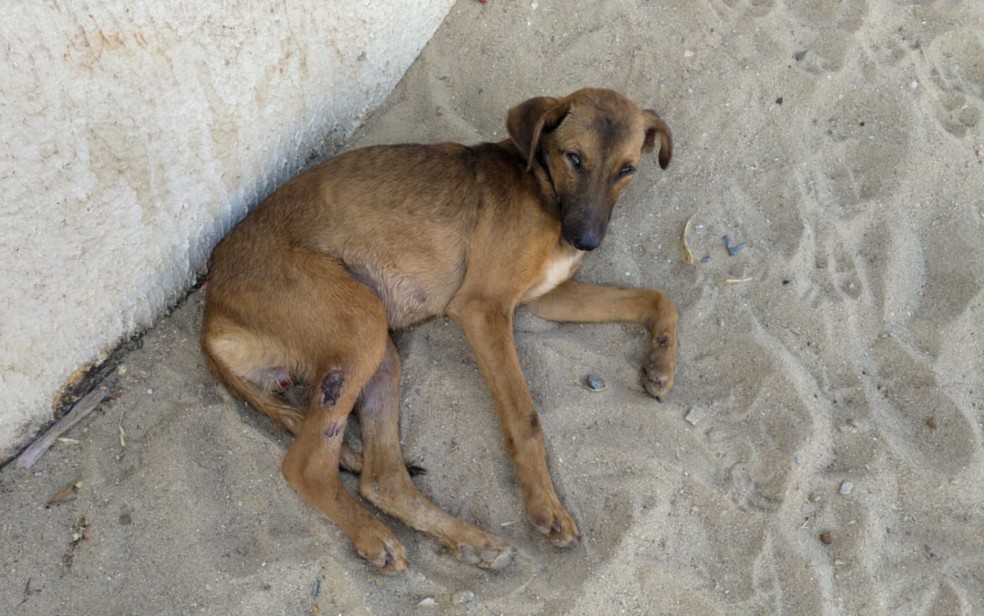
point(586, 241)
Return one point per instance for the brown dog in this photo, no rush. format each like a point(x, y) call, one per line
point(307, 287)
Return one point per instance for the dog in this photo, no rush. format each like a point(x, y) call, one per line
point(304, 292)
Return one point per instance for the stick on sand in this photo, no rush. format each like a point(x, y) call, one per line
point(80, 411)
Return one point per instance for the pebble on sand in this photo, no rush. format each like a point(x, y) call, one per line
point(594, 383)
point(695, 415)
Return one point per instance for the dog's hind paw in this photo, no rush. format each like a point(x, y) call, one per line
point(383, 550)
point(489, 557)
point(559, 527)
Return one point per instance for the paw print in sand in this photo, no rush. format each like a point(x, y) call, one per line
point(955, 76)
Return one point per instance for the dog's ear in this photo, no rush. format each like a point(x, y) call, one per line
point(527, 121)
point(656, 127)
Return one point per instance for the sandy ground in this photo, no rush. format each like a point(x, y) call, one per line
point(821, 452)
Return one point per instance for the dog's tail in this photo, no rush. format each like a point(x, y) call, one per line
point(280, 412)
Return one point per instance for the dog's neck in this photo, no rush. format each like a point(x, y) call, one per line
point(542, 174)
point(539, 170)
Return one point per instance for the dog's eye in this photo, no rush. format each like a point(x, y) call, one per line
point(574, 159)
point(627, 170)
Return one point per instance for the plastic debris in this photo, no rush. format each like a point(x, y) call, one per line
point(732, 247)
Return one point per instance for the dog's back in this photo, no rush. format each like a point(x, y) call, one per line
point(399, 217)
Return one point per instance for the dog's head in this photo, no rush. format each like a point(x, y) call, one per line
point(589, 143)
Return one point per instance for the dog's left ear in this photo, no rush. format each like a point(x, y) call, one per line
point(656, 127)
point(529, 120)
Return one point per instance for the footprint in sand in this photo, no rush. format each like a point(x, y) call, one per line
point(831, 273)
point(950, 284)
point(921, 282)
point(836, 267)
point(828, 29)
point(845, 15)
point(956, 77)
point(755, 8)
point(917, 417)
point(870, 146)
point(757, 421)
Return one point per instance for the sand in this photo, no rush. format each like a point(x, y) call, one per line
point(821, 452)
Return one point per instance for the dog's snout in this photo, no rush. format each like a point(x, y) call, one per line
point(584, 232)
point(586, 241)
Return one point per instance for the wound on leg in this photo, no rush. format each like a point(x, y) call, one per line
point(331, 385)
point(282, 384)
point(334, 429)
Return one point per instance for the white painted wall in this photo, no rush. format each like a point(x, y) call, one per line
point(134, 133)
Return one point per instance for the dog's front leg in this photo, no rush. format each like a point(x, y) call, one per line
point(490, 333)
point(588, 303)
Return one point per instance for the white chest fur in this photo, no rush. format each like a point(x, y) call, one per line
point(555, 271)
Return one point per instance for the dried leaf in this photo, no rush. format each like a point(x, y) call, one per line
point(64, 495)
point(685, 254)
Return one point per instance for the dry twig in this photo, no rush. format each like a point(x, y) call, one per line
point(80, 411)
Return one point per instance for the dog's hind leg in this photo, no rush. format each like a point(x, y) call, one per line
point(311, 468)
point(339, 327)
point(386, 483)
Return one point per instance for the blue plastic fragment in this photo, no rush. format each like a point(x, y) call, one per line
point(733, 248)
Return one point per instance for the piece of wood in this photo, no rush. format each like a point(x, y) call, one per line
point(80, 411)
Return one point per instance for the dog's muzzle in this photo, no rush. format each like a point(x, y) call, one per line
point(582, 234)
point(585, 241)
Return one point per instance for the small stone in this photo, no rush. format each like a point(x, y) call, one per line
point(846, 487)
point(695, 415)
point(798, 459)
point(462, 596)
point(826, 538)
point(594, 383)
point(465, 598)
point(427, 602)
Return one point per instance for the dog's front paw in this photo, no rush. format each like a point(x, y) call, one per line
point(660, 366)
point(554, 522)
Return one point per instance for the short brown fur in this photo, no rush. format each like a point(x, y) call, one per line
point(307, 287)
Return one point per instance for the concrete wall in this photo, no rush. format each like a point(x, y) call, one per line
point(134, 134)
